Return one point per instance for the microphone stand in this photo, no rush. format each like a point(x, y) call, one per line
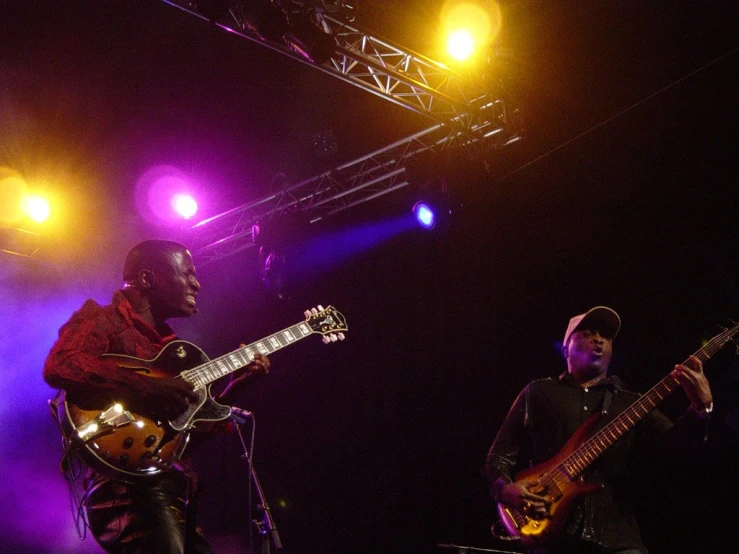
point(266, 525)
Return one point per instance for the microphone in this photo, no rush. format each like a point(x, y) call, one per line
point(239, 415)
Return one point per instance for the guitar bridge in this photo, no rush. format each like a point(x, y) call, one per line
point(106, 421)
point(516, 518)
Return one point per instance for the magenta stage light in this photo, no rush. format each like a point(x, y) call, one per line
point(165, 196)
point(184, 205)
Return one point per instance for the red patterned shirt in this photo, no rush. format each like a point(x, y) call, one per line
point(75, 364)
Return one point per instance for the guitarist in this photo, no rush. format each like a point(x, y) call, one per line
point(548, 411)
point(141, 514)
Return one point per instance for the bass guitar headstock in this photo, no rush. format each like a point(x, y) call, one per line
point(328, 322)
point(733, 333)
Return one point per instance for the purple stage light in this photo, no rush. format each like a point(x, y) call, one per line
point(425, 215)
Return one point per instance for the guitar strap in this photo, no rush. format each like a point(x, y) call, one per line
point(607, 402)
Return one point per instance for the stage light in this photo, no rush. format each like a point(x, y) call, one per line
point(309, 40)
point(266, 19)
point(468, 27)
point(166, 196)
point(36, 207)
point(460, 45)
point(296, 29)
point(18, 204)
point(432, 204)
point(13, 189)
point(424, 215)
point(184, 205)
point(276, 239)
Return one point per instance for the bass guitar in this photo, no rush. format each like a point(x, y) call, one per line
point(560, 479)
point(117, 441)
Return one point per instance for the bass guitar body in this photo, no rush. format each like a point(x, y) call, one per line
point(549, 480)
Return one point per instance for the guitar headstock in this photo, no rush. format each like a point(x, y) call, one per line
point(328, 322)
point(732, 334)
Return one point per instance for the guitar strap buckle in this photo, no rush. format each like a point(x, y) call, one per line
point(607, 402)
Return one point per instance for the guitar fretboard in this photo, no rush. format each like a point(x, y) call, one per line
point(589, 451)
point(205, 374)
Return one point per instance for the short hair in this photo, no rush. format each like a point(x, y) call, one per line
point(147, 255)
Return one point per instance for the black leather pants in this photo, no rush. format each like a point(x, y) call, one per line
point(142, 518)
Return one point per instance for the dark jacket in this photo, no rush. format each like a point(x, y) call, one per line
point(547, 412)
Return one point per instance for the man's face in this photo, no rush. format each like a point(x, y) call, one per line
point(588, 353)
point(174, 286)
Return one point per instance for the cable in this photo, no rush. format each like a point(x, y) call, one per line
point(71, 466)
point(622, 112)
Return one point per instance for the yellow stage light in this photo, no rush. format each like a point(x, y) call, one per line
point(12, 191)
point(460, 45)
point(469, 26)
point(36, 207)
point(18, 204)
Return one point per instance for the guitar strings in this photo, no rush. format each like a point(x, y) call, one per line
point(590, 446)
point(193, 375)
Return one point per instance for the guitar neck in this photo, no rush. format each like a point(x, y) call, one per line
point(590, 450)
point(201, 376)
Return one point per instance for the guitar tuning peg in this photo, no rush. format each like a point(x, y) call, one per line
point(341, 336)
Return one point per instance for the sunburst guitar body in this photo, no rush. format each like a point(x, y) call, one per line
point(117, 441)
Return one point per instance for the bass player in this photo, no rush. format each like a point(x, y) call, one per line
point(550, 411)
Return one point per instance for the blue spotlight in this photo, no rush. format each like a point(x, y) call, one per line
point(424, 215)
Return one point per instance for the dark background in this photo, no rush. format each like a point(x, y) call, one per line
point(622, 193)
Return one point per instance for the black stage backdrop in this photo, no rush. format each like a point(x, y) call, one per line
point(623, 193)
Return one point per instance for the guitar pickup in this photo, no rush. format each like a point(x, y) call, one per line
point(113, 417)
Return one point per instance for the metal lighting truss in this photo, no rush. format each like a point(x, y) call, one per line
point(465, 114)
point(19, 242)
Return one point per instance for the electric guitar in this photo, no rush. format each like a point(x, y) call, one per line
point(560, 479)
point(117, 441)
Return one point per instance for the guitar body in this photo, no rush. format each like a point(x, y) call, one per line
point(545, 480)
point(115, 440)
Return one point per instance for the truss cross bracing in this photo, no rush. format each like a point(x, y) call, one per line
point(343, 187)
point(466, 114)
point(377, 66)
point(19, 242)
